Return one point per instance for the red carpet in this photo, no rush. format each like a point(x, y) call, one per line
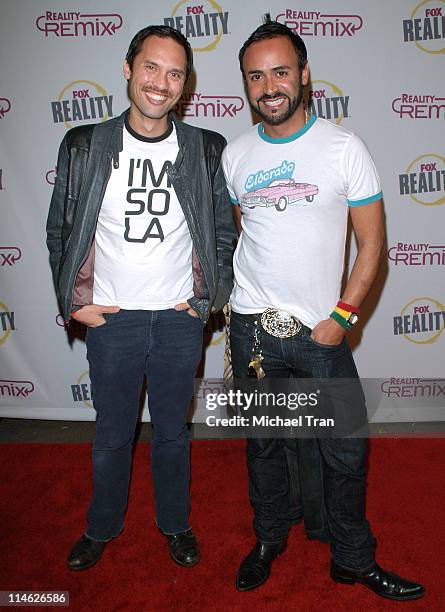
point(44, 493)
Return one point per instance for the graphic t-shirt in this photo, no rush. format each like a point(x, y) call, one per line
point(294, 194)
point(143, 247)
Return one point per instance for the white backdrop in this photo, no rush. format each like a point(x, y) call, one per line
point(377, 68)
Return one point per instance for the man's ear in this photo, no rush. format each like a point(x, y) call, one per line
point(305, 74)
point(126, 70)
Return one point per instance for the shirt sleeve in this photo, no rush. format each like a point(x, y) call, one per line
point(362, 179)
point(226, 170)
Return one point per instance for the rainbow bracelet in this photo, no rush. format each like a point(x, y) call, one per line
point(340, 320)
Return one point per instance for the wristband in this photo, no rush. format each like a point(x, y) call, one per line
point(340, 320)
point(343, 313)
point(348, 307)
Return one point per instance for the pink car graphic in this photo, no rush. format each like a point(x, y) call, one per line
point(280, 193)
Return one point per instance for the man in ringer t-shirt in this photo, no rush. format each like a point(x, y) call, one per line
point(294, 179)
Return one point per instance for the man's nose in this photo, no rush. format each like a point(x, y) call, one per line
point(270, 86)
point(161, 80)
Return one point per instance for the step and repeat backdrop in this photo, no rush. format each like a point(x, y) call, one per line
point(377, 68)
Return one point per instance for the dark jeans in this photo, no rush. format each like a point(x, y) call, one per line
point(164, 345)
point(344, 459)
point(306, 490)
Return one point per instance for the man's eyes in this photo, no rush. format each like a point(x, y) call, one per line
point(278, 73)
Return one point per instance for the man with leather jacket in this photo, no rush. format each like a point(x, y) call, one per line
point(140, 237)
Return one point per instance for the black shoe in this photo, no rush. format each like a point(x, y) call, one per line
point(183, 548)
point(255, 569)
point(85, 553)
point(380, 581)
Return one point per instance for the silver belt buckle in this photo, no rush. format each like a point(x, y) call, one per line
point(280, 323)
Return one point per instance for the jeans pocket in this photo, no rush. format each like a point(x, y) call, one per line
point(319, 345)
point(241, 325)
point(108, 316)
point(186, 314)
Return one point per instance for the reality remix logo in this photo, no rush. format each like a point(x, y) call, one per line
point(424, 180)
point(200, 105)
point(5, 107)
point(328, 101)
point(16, 388)
point(203, 23)
point(9, 255)
point(76, 24)
point(413, 387)
point(315, 23)
point(417, 254)
point(7, 323)
point(421, 321)
point(419, 106)
point(426, 27)
point(82, 102)
point(81, 390)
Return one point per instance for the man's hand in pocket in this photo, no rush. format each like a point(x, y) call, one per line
point(92, 314)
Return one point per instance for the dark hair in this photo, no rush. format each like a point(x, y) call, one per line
point(162, 32)
point(271, 29)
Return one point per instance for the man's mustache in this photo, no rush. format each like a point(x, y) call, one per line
point(278, 94)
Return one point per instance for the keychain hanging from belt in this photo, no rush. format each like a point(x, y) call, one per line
point(257, 353)
point(277, 323)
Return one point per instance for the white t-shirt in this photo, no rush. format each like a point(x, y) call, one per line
point(143, 247)
point(294, 194)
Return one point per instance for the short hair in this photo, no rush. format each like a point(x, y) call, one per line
point(271, 29)
point(163, 32)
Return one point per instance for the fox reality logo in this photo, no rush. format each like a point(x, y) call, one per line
point(199, 105)
point(408, 106)
point(81, 390)
point(328, 101)
point(5, 107)
point(312, 23)
point(9, 256)
point(16, 388)
point(79, 24)
point(80, 102)
point(203, 23)
point(424, 180)
point(426, 27)
point(417, 254)
point(413, 387)
point(7, 323)
point(421, 321)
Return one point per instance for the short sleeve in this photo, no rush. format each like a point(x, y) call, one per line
point(226, 170)
point(362, 179)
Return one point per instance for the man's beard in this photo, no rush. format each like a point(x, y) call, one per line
point(278, 119)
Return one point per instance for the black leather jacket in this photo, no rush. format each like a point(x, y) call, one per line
point(84, 167)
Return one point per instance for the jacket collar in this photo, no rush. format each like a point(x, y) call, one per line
point(181, 131)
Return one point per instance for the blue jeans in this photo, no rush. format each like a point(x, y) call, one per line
point(344, 459)
point(165, 346)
